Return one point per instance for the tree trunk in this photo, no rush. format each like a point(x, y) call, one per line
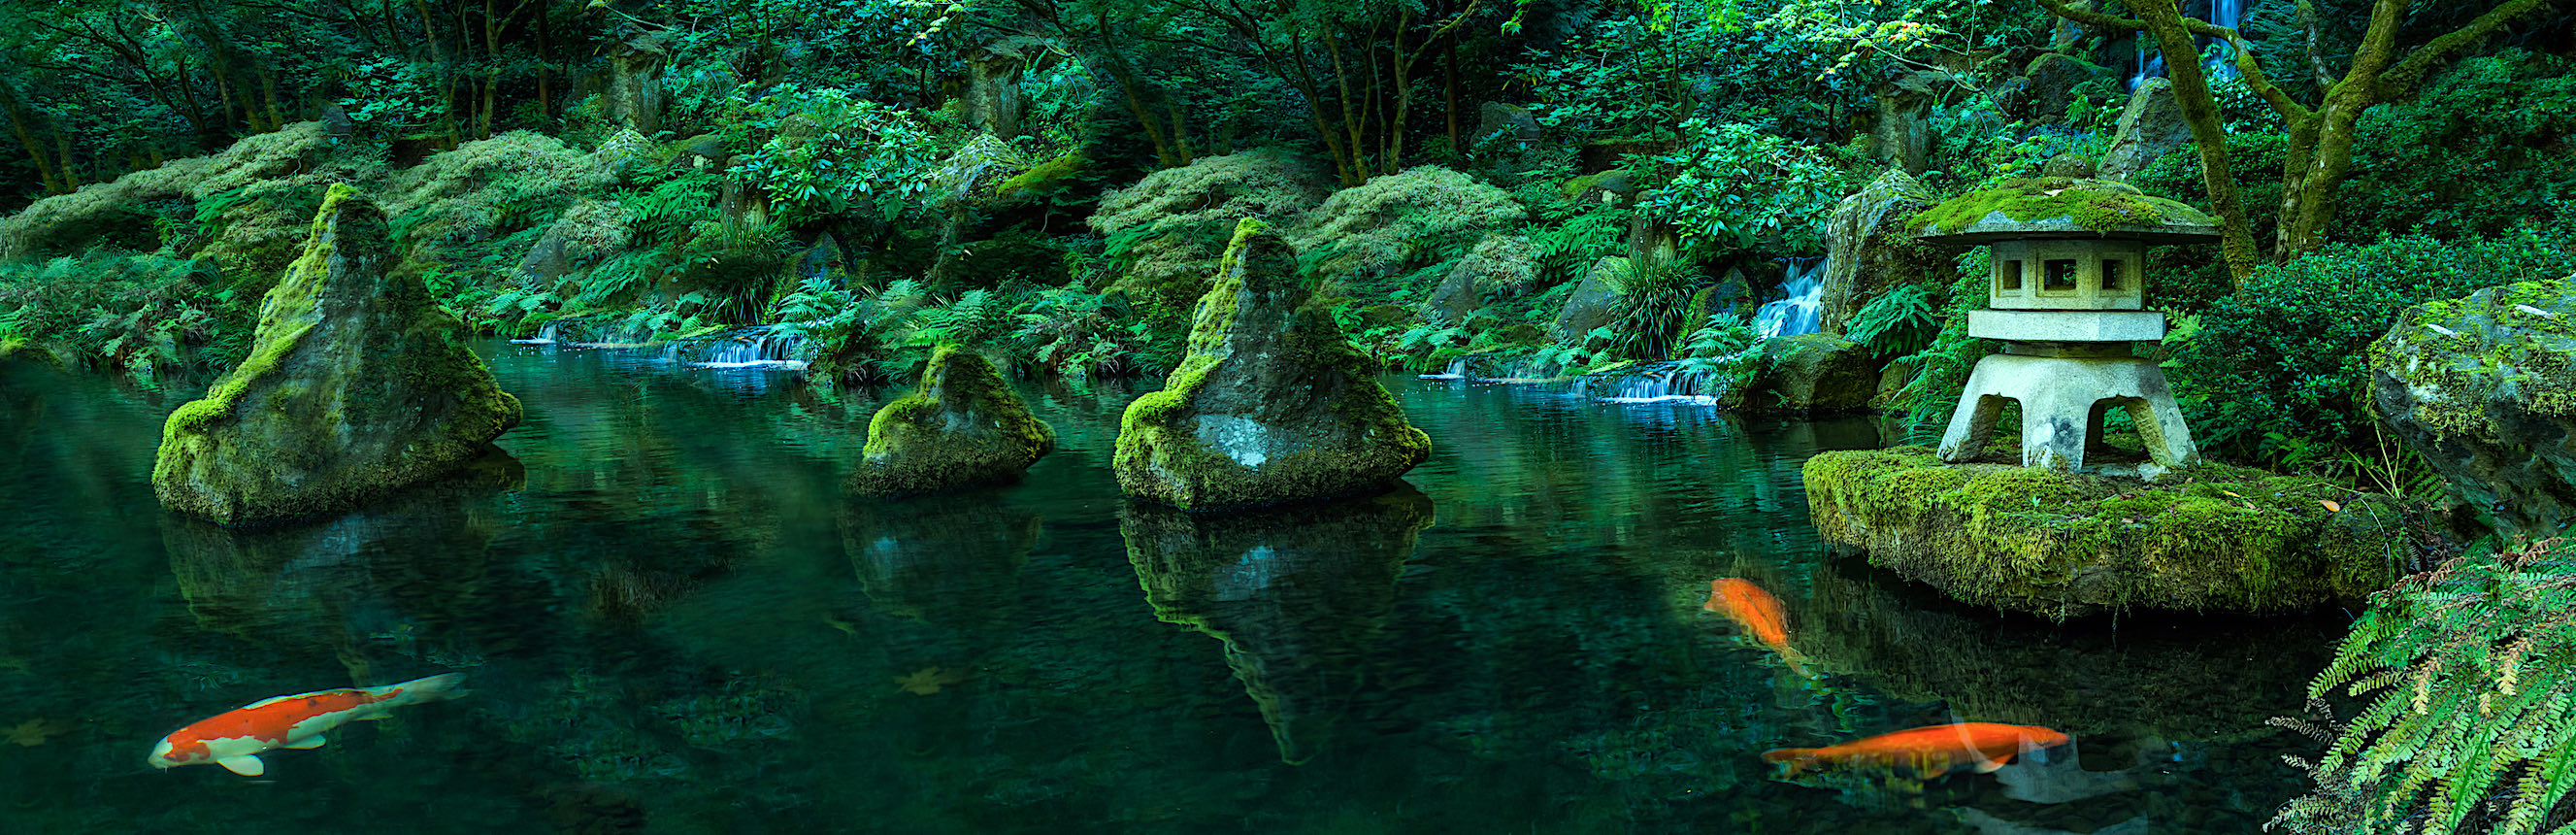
point(27, 138)
point(2208, 133)
point(545, 62)
point(2308, 190)
point(1449, 92)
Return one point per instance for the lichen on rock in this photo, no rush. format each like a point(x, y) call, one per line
point(1272, 404)
point(356, 385)
point(2484, 388)
point(2208, 538)
point(963, 427)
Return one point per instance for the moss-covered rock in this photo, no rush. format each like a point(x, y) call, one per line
point(2485, 389)
point(357, 385)
point(1594, 302)
point(2210, 538)
point(963, 427)
point(1272, 404)
point(2063, 204)
point(1873, 249)
point(1297, 596)
point(1810, 373)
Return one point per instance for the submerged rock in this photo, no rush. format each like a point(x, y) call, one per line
point(1272, 404)
point(1873, 248)
point(1298, 597)
point(2484, 388)
point(2218, 538)
point(964, 427)
point(356, 385)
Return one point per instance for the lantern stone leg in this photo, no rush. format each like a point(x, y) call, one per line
point(2063, 401)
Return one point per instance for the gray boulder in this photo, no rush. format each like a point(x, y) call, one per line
point(2152, 127)
point(1272, 404)
point(963, 427)
point(1595, 301)
point(357, 384)
point(1814, 373)
point(1872, 248)
point(2484, 388)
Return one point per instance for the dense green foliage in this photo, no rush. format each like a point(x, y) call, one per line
point(2280, 365)
point(2464, 725)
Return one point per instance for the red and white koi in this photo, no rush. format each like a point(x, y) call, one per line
point(235, 738)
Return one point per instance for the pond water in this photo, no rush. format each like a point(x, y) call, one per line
point(673, 621)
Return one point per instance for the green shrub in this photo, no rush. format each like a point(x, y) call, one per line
point(1396, 224)
point(2480, 149)
point(147, 315)
point(1731, 188)
point(1165, 233)
point(2285, 353)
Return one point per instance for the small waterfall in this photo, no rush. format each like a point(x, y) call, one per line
point(1796, 314)
point(1457, 371)
point(2226, 13)
point(759, 350)
point(546, 334)
point(1663, 383)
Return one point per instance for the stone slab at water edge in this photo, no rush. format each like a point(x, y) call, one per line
point(357, 385)
point(964, 427)
point(2210, 537)
point(1272, 404)
point(2484, 388)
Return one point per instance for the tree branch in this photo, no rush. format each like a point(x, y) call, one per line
point(2091, 18)
point(2402, 77)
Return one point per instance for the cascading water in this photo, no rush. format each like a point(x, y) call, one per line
point(546, 335)
point(2223, 13)
point(1795, 314)
point(1457, 371)
point(757, 351)
point(1664, 383)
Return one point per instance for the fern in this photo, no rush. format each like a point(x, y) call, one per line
point(1900, 321)
point(2469, 672)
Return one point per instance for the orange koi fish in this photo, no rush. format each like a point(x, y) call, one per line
point(234, 739)
point(1931, 751)
point(1757, 612)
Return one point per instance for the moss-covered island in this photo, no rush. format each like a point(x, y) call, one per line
point(357, 385)
point(963, 427)
point(1272, 404)
point(2212, 538)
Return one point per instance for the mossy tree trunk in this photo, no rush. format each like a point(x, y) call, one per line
point(2163, 20)
point(2319, 150)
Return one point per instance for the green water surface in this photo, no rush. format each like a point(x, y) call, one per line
point(673, 621)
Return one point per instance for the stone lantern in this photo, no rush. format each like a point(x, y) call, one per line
point(2067, 298)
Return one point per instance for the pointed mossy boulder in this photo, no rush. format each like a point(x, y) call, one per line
point(1272, 404)
point(964, 427)
point(356, 385)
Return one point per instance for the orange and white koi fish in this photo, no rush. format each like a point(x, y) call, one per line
point(1757, 612)
point(235, 738)
point(1931, 751)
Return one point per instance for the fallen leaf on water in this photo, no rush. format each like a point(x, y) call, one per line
point(929, 680)
point(33, 732)
point(2331, 507)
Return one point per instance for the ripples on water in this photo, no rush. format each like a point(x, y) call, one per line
point(673, 622)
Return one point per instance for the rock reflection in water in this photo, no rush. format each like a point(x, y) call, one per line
point(2122, 688)
point(1298, 595)
point(403, 575)
point(952, 560)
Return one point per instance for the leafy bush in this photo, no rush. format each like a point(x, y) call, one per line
point(1395, 224)
point(1731, 188)
point(1900, 321)
point(1166, 232)
point(2285, 353)
point(820, 153)
point(143, 314)
point(2480, 149)
point(488, 189)
point(1653, 306)
point(1723, 351)
point(2468, 672)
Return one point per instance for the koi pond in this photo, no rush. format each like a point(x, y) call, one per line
point(672, 621)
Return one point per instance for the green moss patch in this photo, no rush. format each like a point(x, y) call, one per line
point(963, 427)
point(2208, 538)
point(2098, 205)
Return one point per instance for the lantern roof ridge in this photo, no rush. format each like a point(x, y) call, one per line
point(2063, 207)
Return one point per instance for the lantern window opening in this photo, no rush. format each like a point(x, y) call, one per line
point(2057, 277)
point(2112, 277)
point(2008, 276)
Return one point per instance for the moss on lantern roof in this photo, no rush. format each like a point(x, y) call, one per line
point(2042, 207)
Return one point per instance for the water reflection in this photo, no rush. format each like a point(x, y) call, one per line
point(1299, 596)
point(952, 560)
point(405, 575)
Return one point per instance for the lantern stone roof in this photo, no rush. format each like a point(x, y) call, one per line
point(2063, 207)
